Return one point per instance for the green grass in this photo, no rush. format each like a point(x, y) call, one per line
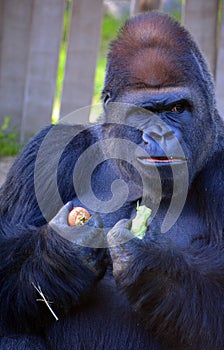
point(9, 144)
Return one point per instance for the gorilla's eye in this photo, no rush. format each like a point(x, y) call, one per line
point(178, 108)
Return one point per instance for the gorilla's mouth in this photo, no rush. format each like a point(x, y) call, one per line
point(162, 160)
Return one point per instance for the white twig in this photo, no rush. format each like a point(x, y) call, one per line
point(38, 289)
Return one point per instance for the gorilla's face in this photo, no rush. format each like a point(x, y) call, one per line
point(171, 133)
point(165, 77)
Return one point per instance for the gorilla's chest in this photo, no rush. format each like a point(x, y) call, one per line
point(106, 321)
point(188, 229)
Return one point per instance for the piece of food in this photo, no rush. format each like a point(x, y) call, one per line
point(78, 216)
point(139, 223)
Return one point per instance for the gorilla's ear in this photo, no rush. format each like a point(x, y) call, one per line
point(106, 97)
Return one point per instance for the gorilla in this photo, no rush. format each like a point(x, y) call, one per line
point(159, 143)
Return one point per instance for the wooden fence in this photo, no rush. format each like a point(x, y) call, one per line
point(30, 41)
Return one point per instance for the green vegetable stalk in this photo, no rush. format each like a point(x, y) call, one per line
point(139, 226)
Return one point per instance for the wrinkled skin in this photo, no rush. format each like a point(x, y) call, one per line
point(162, 292)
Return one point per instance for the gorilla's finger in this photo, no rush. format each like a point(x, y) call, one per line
point(95, 221)
point(120, 233)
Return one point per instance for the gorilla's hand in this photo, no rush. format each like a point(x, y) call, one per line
point(61, 261)
point(122, 245)
point(87, 238)
point(126, 250)
point(90, 234)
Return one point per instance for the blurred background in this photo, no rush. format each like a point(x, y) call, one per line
point(53, 55)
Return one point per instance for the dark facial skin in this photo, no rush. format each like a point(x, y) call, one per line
point(162, 116)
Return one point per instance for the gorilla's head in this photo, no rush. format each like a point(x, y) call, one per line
point(155, 65)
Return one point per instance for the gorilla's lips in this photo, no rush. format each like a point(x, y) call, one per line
point(162, 160)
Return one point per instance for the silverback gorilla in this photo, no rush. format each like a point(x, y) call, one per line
point(165, 291)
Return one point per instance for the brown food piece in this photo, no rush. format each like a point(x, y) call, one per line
point(78, 216)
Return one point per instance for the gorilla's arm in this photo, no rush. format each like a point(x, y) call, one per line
point(177, 292)
point(33, 254)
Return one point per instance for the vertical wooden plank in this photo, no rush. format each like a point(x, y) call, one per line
point(1, 29)
point(220, 69)
point(134, 5)
point(45, 40)
point(200, 17)
point(83, 46)
point(14, 43)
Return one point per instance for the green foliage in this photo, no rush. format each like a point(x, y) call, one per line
point(9, 144)
point(220, 10)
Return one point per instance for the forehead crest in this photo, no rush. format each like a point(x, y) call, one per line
point(153, 49)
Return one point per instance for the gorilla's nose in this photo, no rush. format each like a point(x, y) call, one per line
point(162, 140)
point(157, 133)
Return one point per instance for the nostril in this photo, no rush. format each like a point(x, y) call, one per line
point(169, 134)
